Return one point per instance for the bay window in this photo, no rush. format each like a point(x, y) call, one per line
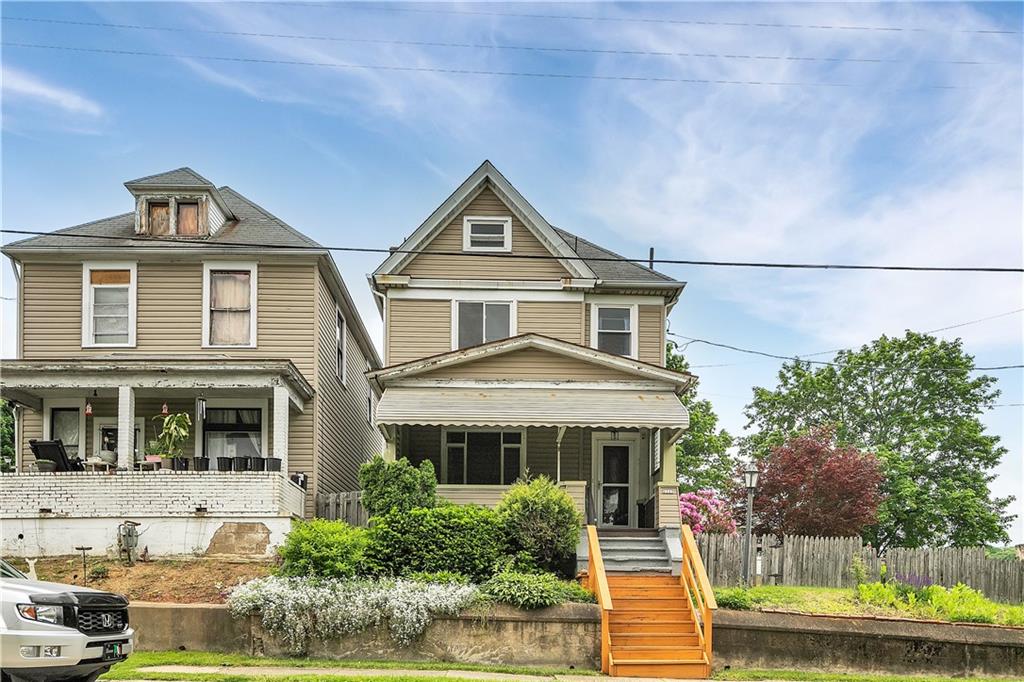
point(108, 304)
point(484, 457)
point(229, 304)
point(478, 322)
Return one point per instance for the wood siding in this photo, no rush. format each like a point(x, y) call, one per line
point(417, 329)
point(651, 344)
point(530, 364)
point(344, 436)
point(560, 320)
point(449, 239)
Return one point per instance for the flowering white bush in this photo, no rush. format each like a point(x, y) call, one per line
point(299, 609)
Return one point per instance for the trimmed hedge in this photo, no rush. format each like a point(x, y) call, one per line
point(322, 549)
point(541, 520)
point(396, 486)
point(463, 539)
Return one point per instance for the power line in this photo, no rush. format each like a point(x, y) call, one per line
point(524, 256)
point(657, 20)
point(828, 363)
point(465, 72)
point(492, 46)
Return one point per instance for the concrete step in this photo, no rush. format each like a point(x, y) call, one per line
point(639, 553)
point(603, 533)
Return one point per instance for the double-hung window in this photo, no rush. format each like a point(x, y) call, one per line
point(484, 457)
point(229, 304)
point(108, 304)
point(479, 322)
point(486, 233)
point(614, 329)
point(340, 344)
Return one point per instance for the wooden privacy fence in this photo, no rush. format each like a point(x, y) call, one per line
point(347, 507)
point(828, 562)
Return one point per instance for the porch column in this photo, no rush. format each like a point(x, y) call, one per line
point(125, 428)
point(390, 453)
point(281, 426)
point(667, 442)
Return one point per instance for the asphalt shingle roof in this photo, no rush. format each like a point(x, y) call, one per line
point(179, 177)
point(255, 227)
point(621, 269)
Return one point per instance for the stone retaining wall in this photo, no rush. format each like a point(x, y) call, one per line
point(569, 635)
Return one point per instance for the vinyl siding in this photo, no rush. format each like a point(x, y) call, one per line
point(531, 364)
point(560, 320)
point(651, 344)
point(449, 239)
point(417, 329)
point(170, 312)
point(344, 437)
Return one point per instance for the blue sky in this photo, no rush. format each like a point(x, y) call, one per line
point(855, 161)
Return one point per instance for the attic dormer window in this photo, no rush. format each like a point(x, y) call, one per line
point(188, 218)
point(168, 215)
point(486, 233)
point(159, 218)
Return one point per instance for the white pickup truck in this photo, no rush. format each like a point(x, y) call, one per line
point(50, 631)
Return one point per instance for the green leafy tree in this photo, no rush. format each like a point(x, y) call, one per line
point(914, 401)
point(7, 459)
point(703, 461)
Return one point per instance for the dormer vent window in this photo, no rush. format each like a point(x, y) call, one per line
point(487, 233)
point(188, 218)
point(166, 215)
point(159, 218)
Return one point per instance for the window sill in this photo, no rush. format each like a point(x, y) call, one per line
point(86, 346)
point(209, 345)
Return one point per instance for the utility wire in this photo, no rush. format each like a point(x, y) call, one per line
point(492, 46)
point(467, 72)
point(828, 363)
point(652, 20)
point(524, 256)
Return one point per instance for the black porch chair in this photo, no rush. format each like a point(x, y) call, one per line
point(53, 451)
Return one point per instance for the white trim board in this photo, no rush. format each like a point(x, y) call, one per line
point(467, 233)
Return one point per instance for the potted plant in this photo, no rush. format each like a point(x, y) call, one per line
point(256, 463)
point(151, 453)
point(172, 436)
point(272, 464)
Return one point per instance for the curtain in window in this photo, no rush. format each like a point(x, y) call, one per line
point(229, 308)
point(233, 432)
point(64, 427)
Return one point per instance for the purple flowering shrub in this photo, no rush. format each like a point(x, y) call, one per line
point(705, 512)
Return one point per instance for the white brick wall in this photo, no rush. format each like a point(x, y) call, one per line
point(152, 494)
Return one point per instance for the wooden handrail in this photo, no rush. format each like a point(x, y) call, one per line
point(697, 586)
point(598, 583)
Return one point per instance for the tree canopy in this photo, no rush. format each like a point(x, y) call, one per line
point(915, 402)
point(703, 461)
point(7, 459)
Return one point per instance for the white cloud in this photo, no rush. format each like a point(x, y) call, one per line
point(22, 86)
point(889, 171)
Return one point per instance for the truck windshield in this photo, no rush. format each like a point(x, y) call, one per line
point(8, 571)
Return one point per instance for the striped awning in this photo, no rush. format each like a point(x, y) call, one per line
point(618, 408)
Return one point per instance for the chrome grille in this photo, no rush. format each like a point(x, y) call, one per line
point(91, 622)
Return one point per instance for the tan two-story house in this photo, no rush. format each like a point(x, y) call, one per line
point(195, 300)
point(514, 347)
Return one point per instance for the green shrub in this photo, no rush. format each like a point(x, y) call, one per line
point(540, 519)
point(961, 604)
point(324, 549)
point(534, 590)
point(735, 598)
point(396, 486)
point(464, 539)
point(439, 577)
point(98, 572)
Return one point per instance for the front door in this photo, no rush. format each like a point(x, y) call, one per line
point(614, 469)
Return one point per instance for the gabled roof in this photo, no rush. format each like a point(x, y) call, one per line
point(641, 370)
point(484, 176)
point(179, 177)
point(577, 255)
point(253, 226)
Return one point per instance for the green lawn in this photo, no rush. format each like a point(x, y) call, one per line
point(130, 670)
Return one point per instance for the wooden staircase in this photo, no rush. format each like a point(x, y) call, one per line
point(654, 624)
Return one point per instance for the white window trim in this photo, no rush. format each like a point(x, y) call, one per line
point(341, 372)
point(634, 320)
point(471, 429)
point(100, 422)
point(262, 403)
point(69, 403)
point(208, 267)
point(506, 222)
point(87, 288)
point(513, 316)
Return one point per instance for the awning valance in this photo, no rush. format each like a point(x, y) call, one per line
point(490, 407)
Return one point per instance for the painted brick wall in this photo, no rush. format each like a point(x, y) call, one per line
point(149, 494)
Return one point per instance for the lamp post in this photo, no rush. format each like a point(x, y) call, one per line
point(750, 479)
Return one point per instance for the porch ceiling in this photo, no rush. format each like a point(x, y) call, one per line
point(531, 407)
point(23, 380)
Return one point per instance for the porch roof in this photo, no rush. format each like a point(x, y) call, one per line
point(24, 380)
point(489, 407)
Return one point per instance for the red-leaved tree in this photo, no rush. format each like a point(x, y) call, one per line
point(809, 486)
